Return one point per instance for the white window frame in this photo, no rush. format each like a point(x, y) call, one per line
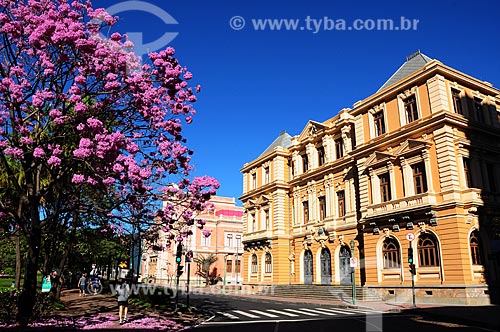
point(403, 120)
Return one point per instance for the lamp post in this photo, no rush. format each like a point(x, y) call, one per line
point(237, 262)
point(353, 273)
point(224, 282)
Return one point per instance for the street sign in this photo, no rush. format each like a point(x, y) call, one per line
point(353, 262)
point(410, 237)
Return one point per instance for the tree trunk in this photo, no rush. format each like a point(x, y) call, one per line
point(17, 280)
point(67, 250)
point(33, 238)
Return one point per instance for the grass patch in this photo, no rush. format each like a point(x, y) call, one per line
point(5, 282)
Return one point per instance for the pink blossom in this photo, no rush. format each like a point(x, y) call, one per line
point(56, 149)
point(71, 84)
point(55, 113)
point(80, 79)
point(60, 120)
point(78, 178)
point(108, 181)
point(26, 140)
point(54, 161)
point(118, 168)
point(15, 153)
point(38, 153)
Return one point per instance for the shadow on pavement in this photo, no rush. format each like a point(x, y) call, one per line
point(481, 316)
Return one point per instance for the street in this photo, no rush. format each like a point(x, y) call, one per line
point(250, 314)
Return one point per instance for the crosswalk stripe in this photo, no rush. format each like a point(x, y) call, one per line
point(319, 311)
point(228, 315)
point(264, 313)
point(245, 314)
point(283, 313)
point(339, 311)
point(301, 312)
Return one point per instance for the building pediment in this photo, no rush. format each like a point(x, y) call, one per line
point(378, 158)
point(312, 129)
point(411, 145)
point(250, 204)
point(262, 200)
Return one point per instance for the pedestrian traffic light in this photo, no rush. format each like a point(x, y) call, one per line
point(413, 269)
point(410, 255)
point(180, 270)
point(178, 256)
point(189, 256)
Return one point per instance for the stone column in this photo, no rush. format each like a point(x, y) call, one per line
point(329, 148)
point(347, 193)
point(392, 179)
point(312, 155)
point(375, 184)
point(328, 198)
point(428, 170)
point(409, 189)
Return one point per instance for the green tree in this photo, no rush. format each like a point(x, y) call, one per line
point(204, 264)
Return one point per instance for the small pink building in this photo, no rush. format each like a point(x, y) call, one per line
point(225, 221)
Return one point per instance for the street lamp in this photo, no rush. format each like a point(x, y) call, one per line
point(353, 275)
point(237, 262)
point(225, 269)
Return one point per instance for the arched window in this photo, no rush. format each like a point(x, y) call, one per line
point(268, 263)
point(427, 250)
point(390, 252)
point(255, 266)
point(475, 250)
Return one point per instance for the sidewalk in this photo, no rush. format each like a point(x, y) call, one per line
point(100, 312)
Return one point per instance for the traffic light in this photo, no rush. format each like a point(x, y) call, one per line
point(178, 256)
point(189, 256)
point(410, 255)
point(180, 270)
point(413, 269)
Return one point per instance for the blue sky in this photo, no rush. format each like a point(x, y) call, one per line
point(256, 83)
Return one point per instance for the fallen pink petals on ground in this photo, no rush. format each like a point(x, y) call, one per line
point(157, 323)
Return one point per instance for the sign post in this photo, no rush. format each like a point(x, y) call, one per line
point(353, 262)
point(410, 237)
point(187, 259)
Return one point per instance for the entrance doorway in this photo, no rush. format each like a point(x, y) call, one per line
point(326, 267)
point(344, 265)
point(308, 267)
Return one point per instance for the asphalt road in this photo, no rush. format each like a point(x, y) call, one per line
point(234, 314)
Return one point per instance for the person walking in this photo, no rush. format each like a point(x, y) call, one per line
point(123, 292)
point(81, 284)
point(96, 285)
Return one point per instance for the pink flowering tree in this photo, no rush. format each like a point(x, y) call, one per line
point(87, 129)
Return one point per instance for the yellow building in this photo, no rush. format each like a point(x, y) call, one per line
point(418, 160)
